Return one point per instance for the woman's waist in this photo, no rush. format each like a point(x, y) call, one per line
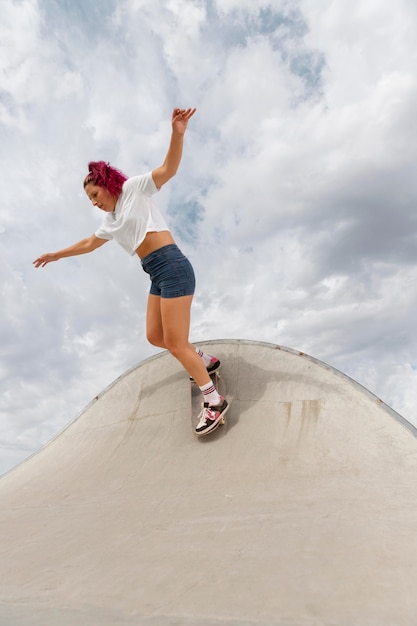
point(153, 241)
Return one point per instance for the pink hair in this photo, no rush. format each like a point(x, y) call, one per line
point(104, 175)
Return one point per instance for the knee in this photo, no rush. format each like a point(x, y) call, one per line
point(175, 348)
point(155, 339)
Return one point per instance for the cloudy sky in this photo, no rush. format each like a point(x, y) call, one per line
point(295, 200)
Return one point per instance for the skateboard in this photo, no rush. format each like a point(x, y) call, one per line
point(196, 403)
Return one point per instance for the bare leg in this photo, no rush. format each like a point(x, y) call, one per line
point(154, 330)
point(168, 326)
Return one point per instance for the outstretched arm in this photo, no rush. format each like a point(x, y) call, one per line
point(81, 247)
point(169, 167)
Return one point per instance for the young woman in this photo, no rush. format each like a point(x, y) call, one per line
point(133, 220)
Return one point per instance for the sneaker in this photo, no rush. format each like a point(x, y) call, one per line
point(210, 416)
point(212, 367)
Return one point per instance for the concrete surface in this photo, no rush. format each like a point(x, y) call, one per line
point(301, 511)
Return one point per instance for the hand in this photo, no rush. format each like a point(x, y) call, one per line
point(180, 119)
point(42, 260)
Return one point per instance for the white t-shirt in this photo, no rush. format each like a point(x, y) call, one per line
point(135, 214)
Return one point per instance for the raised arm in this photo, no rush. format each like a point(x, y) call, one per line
point(81, 247)
point(169, 167)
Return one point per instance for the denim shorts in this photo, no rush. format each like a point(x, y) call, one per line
point(171, 272)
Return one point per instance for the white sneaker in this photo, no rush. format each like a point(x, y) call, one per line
point(210, 416)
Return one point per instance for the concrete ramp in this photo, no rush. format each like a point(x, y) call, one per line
point(300, 511)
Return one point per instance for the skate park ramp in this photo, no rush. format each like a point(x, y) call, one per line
point(299, 511)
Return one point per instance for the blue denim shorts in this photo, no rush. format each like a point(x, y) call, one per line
point(170, 271)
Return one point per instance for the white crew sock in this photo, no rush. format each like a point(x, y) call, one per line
point(206, 357)
point(210, 394)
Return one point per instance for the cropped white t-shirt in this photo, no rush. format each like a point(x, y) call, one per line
point(135, 214)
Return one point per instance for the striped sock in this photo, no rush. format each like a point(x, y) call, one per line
point(210, 394)
point(206, 357)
